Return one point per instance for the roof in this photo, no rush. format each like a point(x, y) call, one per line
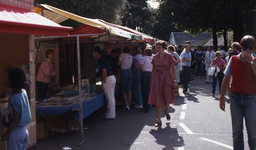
point(182, 37)
point(24, 21)
point(85, 25)
point(220, 41)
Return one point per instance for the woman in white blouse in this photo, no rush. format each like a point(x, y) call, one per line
point(125, 59)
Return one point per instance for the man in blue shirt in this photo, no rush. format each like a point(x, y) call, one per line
point(199, 56)
point(185, 57)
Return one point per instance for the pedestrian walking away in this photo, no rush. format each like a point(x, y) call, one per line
point(242, 68)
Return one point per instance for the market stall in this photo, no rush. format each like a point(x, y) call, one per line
point(87, 33)
point(18, 25)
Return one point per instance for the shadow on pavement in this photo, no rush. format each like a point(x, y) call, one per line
point(168, 137)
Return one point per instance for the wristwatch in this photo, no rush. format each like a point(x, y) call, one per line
point(174, 80)
point(251, 62)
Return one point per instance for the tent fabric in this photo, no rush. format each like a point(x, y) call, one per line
point(143, 37)
point(96, 25)
point(92, 23)
point(24, 21)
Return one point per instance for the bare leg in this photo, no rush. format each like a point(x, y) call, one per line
point(166, 109)
point(158, 111)
point(125, 98)
point(129, 98)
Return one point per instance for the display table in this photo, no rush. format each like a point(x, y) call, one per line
point(61, 105)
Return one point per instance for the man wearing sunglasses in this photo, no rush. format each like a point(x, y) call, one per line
point(242, 68)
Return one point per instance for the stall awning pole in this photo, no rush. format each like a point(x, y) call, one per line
point(80, 91)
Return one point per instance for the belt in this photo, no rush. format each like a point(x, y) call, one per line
point(239, 94)
point(146, 71)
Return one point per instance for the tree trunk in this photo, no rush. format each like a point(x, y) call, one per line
point(238, 31)
point(214, 37)
point(225, 39)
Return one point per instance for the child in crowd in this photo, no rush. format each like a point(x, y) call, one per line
point(17, 133)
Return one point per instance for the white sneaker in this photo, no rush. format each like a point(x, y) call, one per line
point(126, 108)
point(138, 106)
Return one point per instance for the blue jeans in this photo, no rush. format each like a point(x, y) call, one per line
point(126, 80)
point(137, 87)
point(185, 76)
point(199, 67)
point(243, 107)
point(220, 77)
point(145, 87)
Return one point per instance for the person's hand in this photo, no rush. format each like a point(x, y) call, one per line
point(175, 85)
point(247, 56)
point(222, 103)
point(5, 137)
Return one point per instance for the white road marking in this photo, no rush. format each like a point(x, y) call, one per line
point(215, 142)
point(180, 148)
point(184, 107)
point(182, 115)
point(186, 128)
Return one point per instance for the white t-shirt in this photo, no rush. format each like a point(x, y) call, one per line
point(126, 61)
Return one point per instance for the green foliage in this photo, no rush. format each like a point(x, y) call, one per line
point(163, 27)
point(199, 15)
point(137, 15)
point(108, 10)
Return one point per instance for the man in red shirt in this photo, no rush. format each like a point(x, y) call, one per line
point(242, 68)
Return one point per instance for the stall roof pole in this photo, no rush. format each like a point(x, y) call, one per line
point(80, 92)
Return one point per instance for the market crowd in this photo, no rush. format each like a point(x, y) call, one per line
point(151, 77)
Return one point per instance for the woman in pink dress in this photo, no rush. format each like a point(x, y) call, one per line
point(162, 81)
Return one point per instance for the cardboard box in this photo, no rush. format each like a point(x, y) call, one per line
point(41, 129)
point(74, 125)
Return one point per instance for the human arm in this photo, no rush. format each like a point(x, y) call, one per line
point(15, 121)
point(247, 56)
point(104, 75)
point(174, 74)
point(224, 65)
point(224, 87)
point(152, 75)
point(119, 60)
point(135, 64)
point(212, 64)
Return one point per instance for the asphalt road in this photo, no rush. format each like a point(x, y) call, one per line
point(196, 123)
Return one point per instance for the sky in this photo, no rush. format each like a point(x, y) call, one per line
point(153, 4)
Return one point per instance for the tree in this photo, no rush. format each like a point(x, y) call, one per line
point(217, 15)
point(108, 10)
point(137, 15)
point(163, 27)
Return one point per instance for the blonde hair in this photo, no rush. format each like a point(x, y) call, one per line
point(218, 52)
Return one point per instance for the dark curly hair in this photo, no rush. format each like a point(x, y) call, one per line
point(17, 77)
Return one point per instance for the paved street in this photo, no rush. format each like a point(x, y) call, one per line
point(196, 123)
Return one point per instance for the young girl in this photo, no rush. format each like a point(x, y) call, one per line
point(17, 134)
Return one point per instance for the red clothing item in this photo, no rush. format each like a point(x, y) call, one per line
point(243, 78)
point(161, 86)
point(45, 72)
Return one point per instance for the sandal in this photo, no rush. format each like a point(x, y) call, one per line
point(158, 123)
